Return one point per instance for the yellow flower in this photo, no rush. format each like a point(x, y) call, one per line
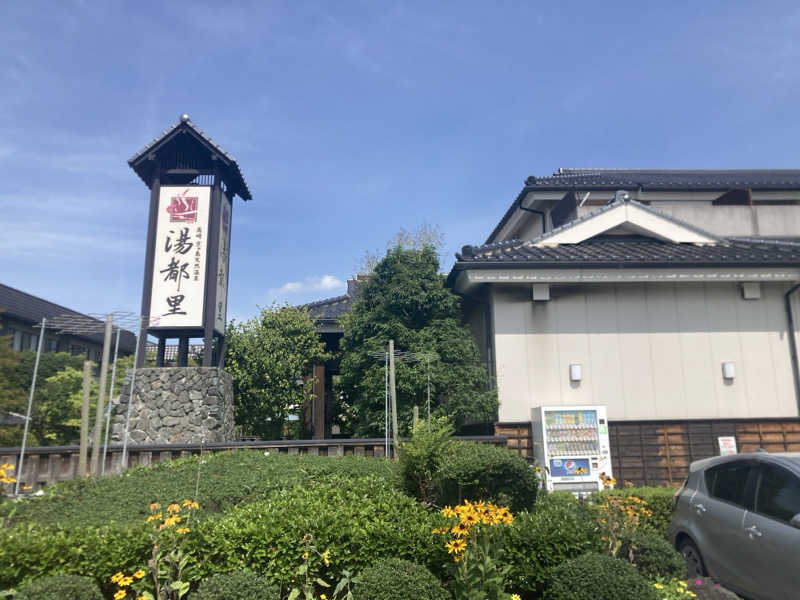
point(27, 487)
point(141, 597)
point(120, 594)
point(691, 594)
point(326, 557)
point(658, 586)
point(154, 517)
point(125, 581)
point(174, 508)
point(448, 512)
point(155, 506)
point(7, 466)
point(323, 597)
point(305, 555)
point(455, 546)
point(515, 597)
point(139, 574)
point(190, 504)
point(117, 576)
point(182, 530)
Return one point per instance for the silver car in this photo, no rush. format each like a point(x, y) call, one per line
point(737, 519)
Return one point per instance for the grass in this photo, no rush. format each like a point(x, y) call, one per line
point(226, 479)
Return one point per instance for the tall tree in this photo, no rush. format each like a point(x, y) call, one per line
point(405, 299)
point(269, 358)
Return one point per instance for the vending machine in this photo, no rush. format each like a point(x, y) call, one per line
point(570, 443)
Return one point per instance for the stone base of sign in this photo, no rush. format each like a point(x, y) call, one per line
point(176, 404)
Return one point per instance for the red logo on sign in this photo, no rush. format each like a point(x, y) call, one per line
point(183, 209)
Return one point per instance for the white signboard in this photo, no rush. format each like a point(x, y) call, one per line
point(727, 445)
point(220, 307)
point(179, 269)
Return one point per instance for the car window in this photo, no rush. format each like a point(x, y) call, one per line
point(728, 481)
point(778, 493)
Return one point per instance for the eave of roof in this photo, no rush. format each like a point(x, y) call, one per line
point(185, 124)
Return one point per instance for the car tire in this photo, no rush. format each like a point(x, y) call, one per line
point(695, 566)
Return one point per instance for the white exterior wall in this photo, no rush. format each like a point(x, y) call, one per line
point(648, 351)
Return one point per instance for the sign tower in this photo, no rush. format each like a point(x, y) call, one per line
point(192, 183)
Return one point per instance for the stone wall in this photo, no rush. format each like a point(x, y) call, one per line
point(176, 404)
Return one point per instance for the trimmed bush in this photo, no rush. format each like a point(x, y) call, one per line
point(554, 531)
point(652, 555)
point(28, 552)
point(660, 501)
point(421, 456)
point(473, 471)
point(396, 579)
point(226, 480)
point(60, 587)
point(596, 576)
point(238, 585)
point(357, 521)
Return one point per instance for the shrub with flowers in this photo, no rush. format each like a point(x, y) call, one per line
point(6, 479)
point(672, 589)
point(472, 540)
point(619, 518)
point(168, 559)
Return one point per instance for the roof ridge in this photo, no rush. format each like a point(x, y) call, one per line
point(40, 299)
point(330, 300)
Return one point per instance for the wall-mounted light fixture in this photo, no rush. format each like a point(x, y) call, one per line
point(575, 372)
point(728, 370)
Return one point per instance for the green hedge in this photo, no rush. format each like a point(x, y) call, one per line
point(660, 500)
point(29, 552)
point(595, 576)
point(652, 555)
point(357, 520)
point(61, 587)
point(397, 579)
point(554, 531)
point(473, 471)
point(226, 479)
point(238, 585)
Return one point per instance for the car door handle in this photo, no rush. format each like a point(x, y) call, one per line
point(753, 532)
point(700, 509)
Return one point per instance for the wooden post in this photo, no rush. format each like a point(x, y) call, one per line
point(415, 417)
point(149, 258)
point(393, 395)
point(84, 447)
point(161, 351)
point(318, 408)
point(101, 393)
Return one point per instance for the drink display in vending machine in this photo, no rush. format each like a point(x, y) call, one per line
point(570, 443)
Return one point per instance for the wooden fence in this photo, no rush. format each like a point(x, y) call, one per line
point(49, 464)
point(659, 452)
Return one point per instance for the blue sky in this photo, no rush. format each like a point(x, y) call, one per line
point(352, 120)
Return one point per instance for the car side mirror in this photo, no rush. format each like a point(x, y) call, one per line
point(795, 521)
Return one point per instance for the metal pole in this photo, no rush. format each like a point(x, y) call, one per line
point(393, 395)
point(428, 363)
point(28, 414)
point(124, 463)
point(386, 403)
point(101, 393)
point(110, 397)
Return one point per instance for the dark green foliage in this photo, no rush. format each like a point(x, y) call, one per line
point(226, 479)
point(595, 576)
point(554, 531)
point(61, 587)
point(28, 552)
point(405, 299)
point(473, 471)
point(266, 357)
point(421, 458)
point(652, 555)
point(396, 579)
point(357, 520)
point(659, 500)
point(237, 585)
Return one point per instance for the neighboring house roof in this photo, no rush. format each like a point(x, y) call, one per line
point(656, 179)
point(631, 251)
point(31, 309)
point(232, 173)
point(330, 309)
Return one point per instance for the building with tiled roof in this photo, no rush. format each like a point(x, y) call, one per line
point(675, 291)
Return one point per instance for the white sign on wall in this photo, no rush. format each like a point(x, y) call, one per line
point(727, 445)
point(179, 270)
point(220, 307)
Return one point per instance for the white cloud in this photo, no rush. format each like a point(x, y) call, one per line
point(310, 284)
